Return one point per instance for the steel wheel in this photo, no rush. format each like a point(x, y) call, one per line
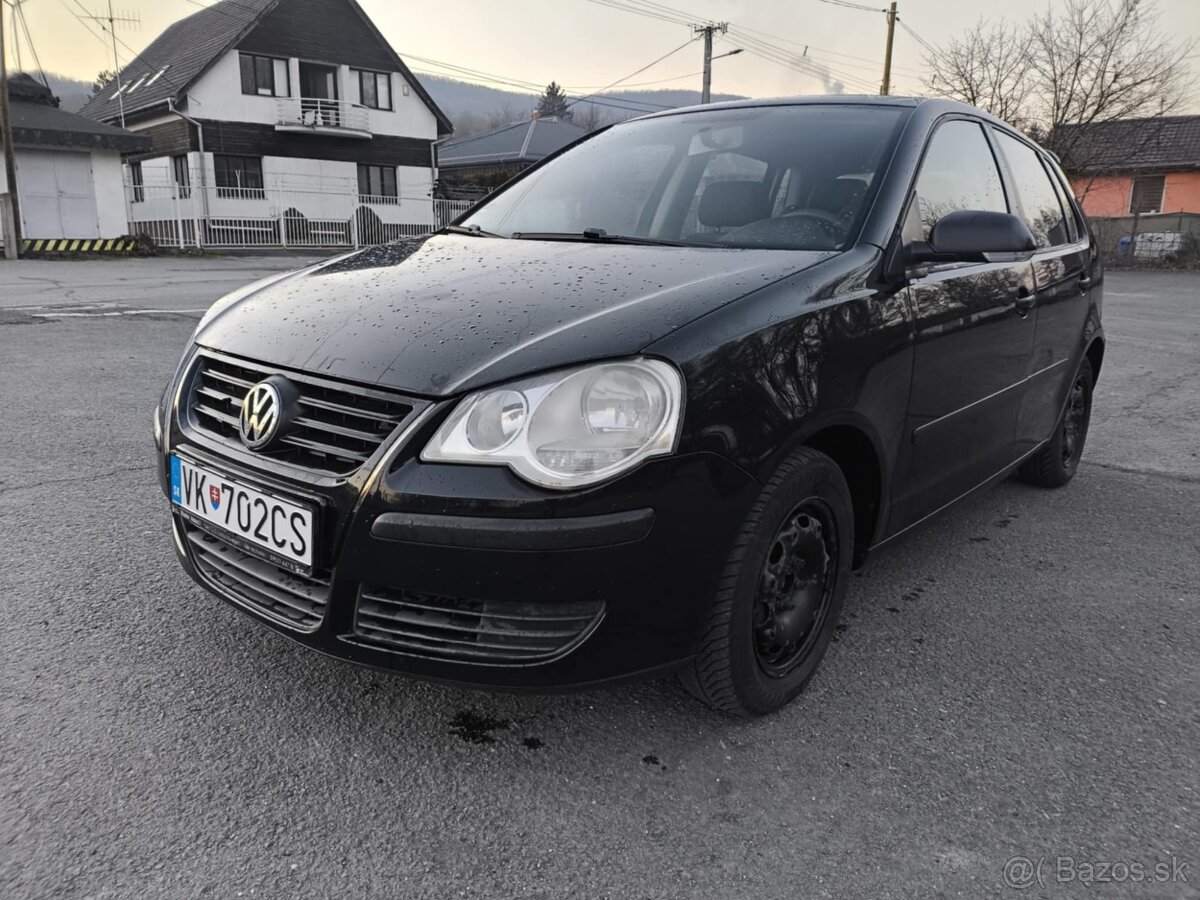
point(795, 589)
point(1075, 421)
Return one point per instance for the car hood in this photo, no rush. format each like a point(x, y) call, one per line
point(446, 313)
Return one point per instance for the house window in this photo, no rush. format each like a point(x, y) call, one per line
point(183, 177)
point(265, 76)
point(239, 176)
point(377, 184)
point(135, 181)
point(1147, 195)
point(375, 89)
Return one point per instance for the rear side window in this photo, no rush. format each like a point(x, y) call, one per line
point(1039, 202)
point(958, 172)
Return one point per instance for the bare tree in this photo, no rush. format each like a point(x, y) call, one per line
point(591, 117)
point(1081, 62)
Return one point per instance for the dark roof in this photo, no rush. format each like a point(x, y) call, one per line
point(190, 46)
point(1162, 143)
point(522, 142)
point(186, 49)
point(39, 125)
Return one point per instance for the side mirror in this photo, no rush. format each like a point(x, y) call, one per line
point(972, 235)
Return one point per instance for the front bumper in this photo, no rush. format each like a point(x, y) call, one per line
point(471, 555)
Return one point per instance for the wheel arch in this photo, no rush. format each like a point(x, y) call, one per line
point(852, 444)
point(1095, 355)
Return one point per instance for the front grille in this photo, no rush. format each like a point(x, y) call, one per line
point(472, 630)
point(293, 600)
point(338, 427)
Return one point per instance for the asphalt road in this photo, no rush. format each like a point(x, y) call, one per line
point(1019, 678)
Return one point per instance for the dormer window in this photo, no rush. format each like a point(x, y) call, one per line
point(264, 76)
point(374, 89)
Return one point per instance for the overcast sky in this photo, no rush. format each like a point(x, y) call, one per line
point(586, 45)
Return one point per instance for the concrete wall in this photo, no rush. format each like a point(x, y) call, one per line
point(110, 193)
point(1108, 196)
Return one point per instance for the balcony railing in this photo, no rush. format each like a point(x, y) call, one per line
point(321, 115)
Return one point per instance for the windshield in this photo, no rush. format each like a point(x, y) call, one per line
point(781, 177)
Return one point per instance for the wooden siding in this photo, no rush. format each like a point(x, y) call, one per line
point(319, 31)
point(166, 139)
point(245, 139)
point(263, 140)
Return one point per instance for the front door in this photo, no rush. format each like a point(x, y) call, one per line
point(973, 337)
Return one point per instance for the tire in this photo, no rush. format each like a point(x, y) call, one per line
point(781, 593)
point(1056, 463)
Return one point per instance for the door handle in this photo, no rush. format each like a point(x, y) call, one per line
point(1085, 282)
point(1025, 302)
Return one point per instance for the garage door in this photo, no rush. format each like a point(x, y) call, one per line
point(57, 197)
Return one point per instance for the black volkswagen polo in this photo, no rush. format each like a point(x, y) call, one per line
point(645, 407)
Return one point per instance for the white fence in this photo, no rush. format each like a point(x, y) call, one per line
point(283, 213)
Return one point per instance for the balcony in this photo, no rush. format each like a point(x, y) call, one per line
point(316, 115)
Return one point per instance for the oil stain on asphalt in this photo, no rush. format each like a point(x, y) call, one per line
point(475, 728)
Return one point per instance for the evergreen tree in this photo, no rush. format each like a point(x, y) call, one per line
point(554, 103)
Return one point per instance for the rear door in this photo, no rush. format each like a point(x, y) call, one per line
point(1061, 279)
point(973, 337)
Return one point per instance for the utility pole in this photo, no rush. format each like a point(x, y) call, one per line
point(887, 53)
point(707, 31)
point(12, 236)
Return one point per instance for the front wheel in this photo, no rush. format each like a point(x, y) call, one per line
point(782, 591)
point(1055, 464)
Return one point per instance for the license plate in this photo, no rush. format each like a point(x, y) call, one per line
point(249, 517)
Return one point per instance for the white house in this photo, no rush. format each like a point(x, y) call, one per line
point(276, 122)
point(69, 182)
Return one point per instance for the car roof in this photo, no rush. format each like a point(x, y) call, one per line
point(932, 108)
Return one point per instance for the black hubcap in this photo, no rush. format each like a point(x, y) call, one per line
point(795, 588)
point(1074, 422)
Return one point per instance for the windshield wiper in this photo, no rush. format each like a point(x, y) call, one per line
point(599, 235)
point(472, 230)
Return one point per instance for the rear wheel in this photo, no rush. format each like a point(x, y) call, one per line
point(782, 591)
point(1055, 464)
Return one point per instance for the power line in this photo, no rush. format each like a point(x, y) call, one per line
point(920, 40)
point(873, 63)
point(823, 72)
point(19, 10)
point(529, 86)
point(849, 5)
point(600, 93)
point(137, 57)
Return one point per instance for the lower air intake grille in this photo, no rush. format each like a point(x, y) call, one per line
point(496, 632)
point(293, 600)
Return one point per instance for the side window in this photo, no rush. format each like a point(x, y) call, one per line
point(958, 172)
point(1039, 202)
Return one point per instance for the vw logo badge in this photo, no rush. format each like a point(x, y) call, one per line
point(259, 422)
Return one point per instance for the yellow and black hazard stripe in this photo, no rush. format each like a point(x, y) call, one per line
point(69, 245)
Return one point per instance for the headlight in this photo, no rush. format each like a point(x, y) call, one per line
point(568, 428)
